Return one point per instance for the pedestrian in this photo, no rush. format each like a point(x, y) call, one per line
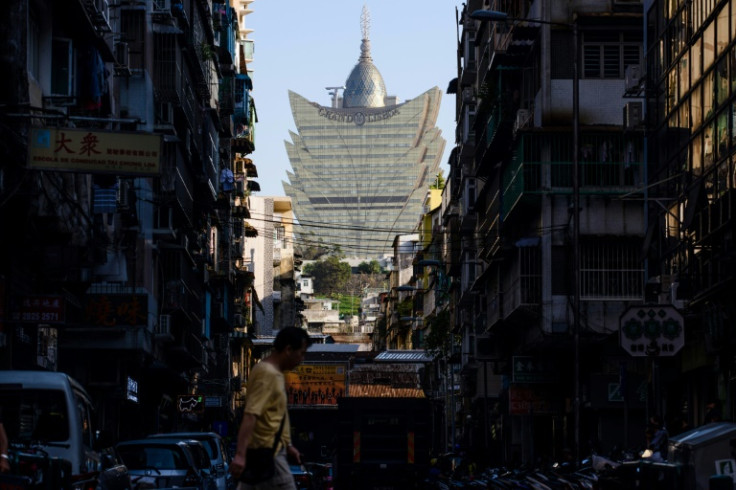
point(265, 415)
point(657, 444)
point(712, 412)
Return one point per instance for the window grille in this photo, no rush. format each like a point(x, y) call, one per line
point(607, 54)
point(611, 270)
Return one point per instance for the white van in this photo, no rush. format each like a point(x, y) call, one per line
point(50, 412)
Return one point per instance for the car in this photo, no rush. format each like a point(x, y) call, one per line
point(167, 463)
point(219, 456)
point(302, 477)
point(49, 422)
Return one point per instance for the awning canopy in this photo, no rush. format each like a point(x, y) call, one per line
point(242, 145)
point(250, 231)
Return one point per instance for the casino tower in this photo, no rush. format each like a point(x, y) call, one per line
point(361, 167)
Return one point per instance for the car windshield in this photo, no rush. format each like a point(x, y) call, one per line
point(139, 457)
point(209, 445)
point(34, 415)
point(201, 458)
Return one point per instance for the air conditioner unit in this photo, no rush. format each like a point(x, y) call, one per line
point(680, 304)
point(468, 95)
point(632, 115)
point(223, 342)
point(523, 117)
point(632, 76)
point(122, 53)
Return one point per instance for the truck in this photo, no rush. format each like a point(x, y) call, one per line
point(47, 417)
point(382, 443)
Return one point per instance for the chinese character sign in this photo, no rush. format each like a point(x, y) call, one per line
point(316, 384)
point(652, 331)
point(75, 150)
point(111, 310)
point(39, 309)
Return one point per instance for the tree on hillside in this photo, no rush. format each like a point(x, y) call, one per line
point(330, 275)
point(312, 248)
point(372, 267)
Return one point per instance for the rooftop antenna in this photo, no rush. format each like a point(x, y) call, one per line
point(334, 92)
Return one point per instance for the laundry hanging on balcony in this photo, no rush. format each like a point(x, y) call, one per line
point(227, 180)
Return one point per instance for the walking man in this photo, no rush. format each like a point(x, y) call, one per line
point(265, 414)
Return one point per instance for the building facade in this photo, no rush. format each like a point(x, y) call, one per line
point(361, 166)
point(542, 269)
point(270, 256)
point(121, 185)
point(691, 65)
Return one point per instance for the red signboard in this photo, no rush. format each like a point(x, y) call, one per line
point(39, 309)
point(527, 401)
point(111, 310)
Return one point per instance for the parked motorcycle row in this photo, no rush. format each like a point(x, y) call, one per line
point(597, 472)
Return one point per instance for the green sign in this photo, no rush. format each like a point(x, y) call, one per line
point(529, 369)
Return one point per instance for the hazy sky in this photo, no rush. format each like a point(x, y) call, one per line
point(305, 46)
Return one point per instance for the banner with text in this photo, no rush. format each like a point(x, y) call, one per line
point(75, 150)
point(316, 384)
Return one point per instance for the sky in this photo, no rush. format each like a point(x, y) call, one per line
point(305, 46)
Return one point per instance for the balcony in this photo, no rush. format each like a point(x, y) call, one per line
point(610, 164)
point(523, 298)
point(494, 134)
point(490, 221)
point(188, 352)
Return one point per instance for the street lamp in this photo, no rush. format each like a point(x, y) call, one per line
point(492, 15)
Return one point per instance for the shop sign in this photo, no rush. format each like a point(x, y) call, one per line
point(114, 310)
point(39, 309)
point(652, 331)
point(110, 152)
point(526, 401)
point(315, 384)
point(190, 403)
point(529, 369)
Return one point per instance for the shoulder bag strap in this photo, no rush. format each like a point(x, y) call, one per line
point(278, 434)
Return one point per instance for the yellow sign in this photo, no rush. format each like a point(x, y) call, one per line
point(75, 150)
point(316, 384)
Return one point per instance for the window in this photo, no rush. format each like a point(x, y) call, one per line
point(530, 273)
point(606, 54)
point(34, 415)
point(610, 269)
point(132, 31)
point(62, 67)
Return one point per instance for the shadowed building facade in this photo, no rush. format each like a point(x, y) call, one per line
point(361, 167)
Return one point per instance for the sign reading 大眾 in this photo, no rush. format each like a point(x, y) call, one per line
point(75, 150)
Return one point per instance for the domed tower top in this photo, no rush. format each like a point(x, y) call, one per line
point(364, 87)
